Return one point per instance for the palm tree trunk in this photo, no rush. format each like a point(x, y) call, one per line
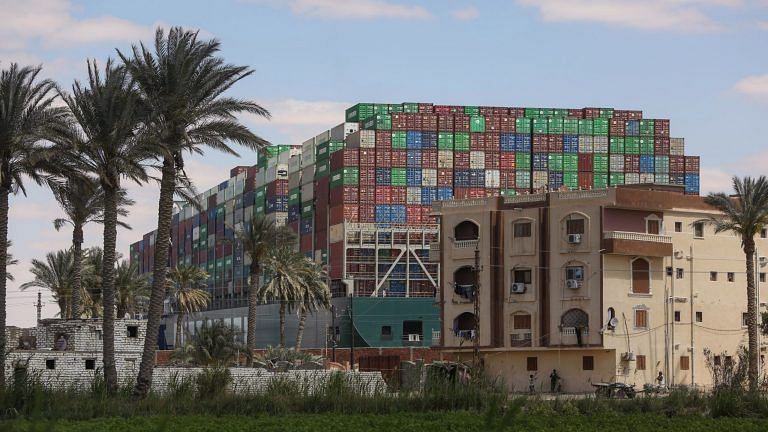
point(4, 192)
point(253, 302)
point(108, 286)
point(159, 273)
point(754, 354)
point(77, 270)
point(179, 322)
point(282, 323)
point(300, 331)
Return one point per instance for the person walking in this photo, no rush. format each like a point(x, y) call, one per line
point(531, 384)
point(554, 381)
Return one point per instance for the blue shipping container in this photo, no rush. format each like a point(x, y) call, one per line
point(632, 127)
point(522, 143)
point(383, 213)
point(277, 204)
point(692, 183)
point(540, 161)
point(413, 139)
point(413, 176)
point(444, 194)
point(305, 227)
point(428, 194)
point(477, 178)
point(555, 180)
point(507, 142)
point(383, 176)
point(570, 143)
point(461, 178)
point(647, 164)
point(397, 213)
point(414, 158)
point(396, 288)
point(428, 140)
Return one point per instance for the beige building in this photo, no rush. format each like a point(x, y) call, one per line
point(606, 285)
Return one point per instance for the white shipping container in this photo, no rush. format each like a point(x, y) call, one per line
point(261, 177)
point(278, 218)
point(294, 180)
point(322, 137)
point(294, 151)
point(219, 197)
point(662, 179)
point(336, 233)
point(340, 132)
point(308, 159)
point(413, 195)
point(308, 174)
point(585, 144)
point(647, 178)
point(294, 164)
point(540, 179)
point(477, 160)
point(195, 233)
point(367, 138)
point(429, 177)
point(676, 146)
point(445, 159)
point(631, 178)
point(616, 163)
point(492, 178)
point(277, 172)
point(600, 144)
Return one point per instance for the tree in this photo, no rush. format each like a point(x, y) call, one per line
point(27, 117)
point(745, 214)
point(93, 264)
point(132, 289)
point(181, 85)
point(55, 275)
point(9, 260)
point(185, 289)
point(107, 145)
point(285, 270)
point(215, 344)
point(314, 294)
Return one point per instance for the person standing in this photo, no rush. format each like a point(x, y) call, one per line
point(531, 384)
point(554, 381)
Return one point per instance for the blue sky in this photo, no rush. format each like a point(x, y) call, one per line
point(701, 63)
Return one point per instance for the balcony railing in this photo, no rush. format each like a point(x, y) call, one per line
point(477, 202)
point(524, 198)
point(571, 331)
point(597, 193)
point(465, 244)
point(625, 235)
point(435, 337)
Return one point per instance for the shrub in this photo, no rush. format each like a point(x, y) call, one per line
point(213, 382)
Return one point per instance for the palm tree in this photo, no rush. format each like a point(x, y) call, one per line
point(745, 214)
point(55, 275)
point(215, 344)
point(181, 85)
point(27, 116)
point(284, 268)
point(9, 260)
point(185, 283)
point(93, 260)
point(313, 295)
point(106, 142)
point(132, 289)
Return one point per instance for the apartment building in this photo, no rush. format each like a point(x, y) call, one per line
point(603, 285)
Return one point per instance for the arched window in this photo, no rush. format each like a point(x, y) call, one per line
point(464, 325)
point(464, 282)
point(521, 329)
point(466, 230)
point(576, 321)
point(611, 317)
point(641, 276)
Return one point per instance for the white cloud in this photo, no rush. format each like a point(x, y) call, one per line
point(674, 15)
point(467, 13)
point(755, 86)
point(299, 119)
point(351, 9)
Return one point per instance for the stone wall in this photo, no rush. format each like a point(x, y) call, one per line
point(86, 334)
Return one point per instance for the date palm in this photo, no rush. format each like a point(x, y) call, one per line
point(9, 260)
point(132, 289)
point(55, 275)
point(27, 117)
point(181, 83)
point(314, 294)
point(284, 269)
point(745, 214)
point(106, 143)
point(186, 285)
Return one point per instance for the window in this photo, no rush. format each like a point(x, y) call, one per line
point(731, 276)
point(653, 226)
point(50, 364)
point(641, 318)
point(523, 229)
point(764, 233)
point(574, 272)
point(641, 362)
point(532, 364)
point(574, 226)
point(698, 229)
point(762, 277)
point(713, 276)
point(677, 316)
point(744, 319)
point(386, 332)
point(641, 277)
point(521, 322)
point(588, 363)
point(466, 230)
point(678, 227)
point(680, 273)
point(728, 361)
point(90, 364)
point(685, 362)
point(699, 316)
point(133, 331)
point(412, 327)
point(522, 276)
point(670, 271)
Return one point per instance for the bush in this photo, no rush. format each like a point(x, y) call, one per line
point(213, 382)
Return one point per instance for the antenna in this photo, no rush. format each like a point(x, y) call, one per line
point(39, 307)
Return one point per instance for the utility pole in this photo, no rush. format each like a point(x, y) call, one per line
point(352, 328)
point(39, 306)
point(333, 333)
point(476, 296)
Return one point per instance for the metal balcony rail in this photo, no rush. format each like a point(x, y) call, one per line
point(584, 194)
point(625, 235)
point(524, 198)
point(465, 244)
point(571, 331)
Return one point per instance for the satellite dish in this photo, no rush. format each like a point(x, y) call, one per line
point(613, 322)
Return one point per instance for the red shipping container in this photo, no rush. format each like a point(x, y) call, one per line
point(414, 121)
point(492, 159)
point(277, 188)
point(429, 158)
point(351, 213)
point(661, 128)
point(336, 260)
point(461, 192)
point(677, 164)
point(492, 192)
point(575, 113)
point(344, 195)
point(399, 158)
point(619, 116)
point(616, 127)
point(445, 177)
point(321, 238)
point(507, 124)
point(461, 160)
point(540, 144)
point(585, 162)
point(485, 110)
point(367, 213)
point(492, 141)
point(212, 201)
point(250, 184)
point(399, 194)
point(506, 161)
point(661, 146)
point(477, 141)
point(586, 180)
point(367, 194)
point(500, 111)
point(226, 250)
point(321, 191)
point(591, 113)
point(631, 163)
point(635, 115)
point(493, 123)
point(294, 226)
point(426, 108)
point(442, 109)
point(691, 164)
point(367, 157)
point(476, 192)
point(555, 143)
point(429, 122)
point(398, 121)
point(335, 215)
point(413, 214)
point(383, 139)
point(461, 123)
point(321, 217)
point(383, 158)
point(517, 112)
point(345, 158)
point(445, 123)
point(507, 178)
point(367, 176)
point(383, 194)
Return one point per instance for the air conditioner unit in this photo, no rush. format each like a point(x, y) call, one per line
point(518, 288)
point(414, 337)
point(628, 356)
point(574, 238)
point(573, 284)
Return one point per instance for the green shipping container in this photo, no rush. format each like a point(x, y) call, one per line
point(570, 162)
point(471, 110)
point(378, 121)
point(523, 125)
point(346, 176)
point(556, 162)
point(307, 209)
point(647, 127)
point(294, 196)
point(571, 126)
point(322, 169)
point(410, 107)
point(399, 140)
point(540, 125)
point(560, 112)
point(616, 179)
point(586, 127)
point(476, 123)
point(600, 163)
point(600, 126)
point(600, 181)
point(616, 145)
point(274, 150)
point(325, 149)
point(632, 145)
point(381, 109)
point(571, 179)
point(395, 108)
point(522, 161)
point(555, 125)
point(444, 141)
point(359, 112)
point(646, 146)
point(461, 141)
point(398, 177)
point(508, 192)
point(606, 113)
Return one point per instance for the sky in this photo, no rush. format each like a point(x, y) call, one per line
point(701, 63)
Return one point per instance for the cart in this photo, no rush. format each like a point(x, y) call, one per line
point(615, 390)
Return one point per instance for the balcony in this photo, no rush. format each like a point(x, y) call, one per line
point(465, 244)
point(631, 243)
point(520, 339)
point(435, 337)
